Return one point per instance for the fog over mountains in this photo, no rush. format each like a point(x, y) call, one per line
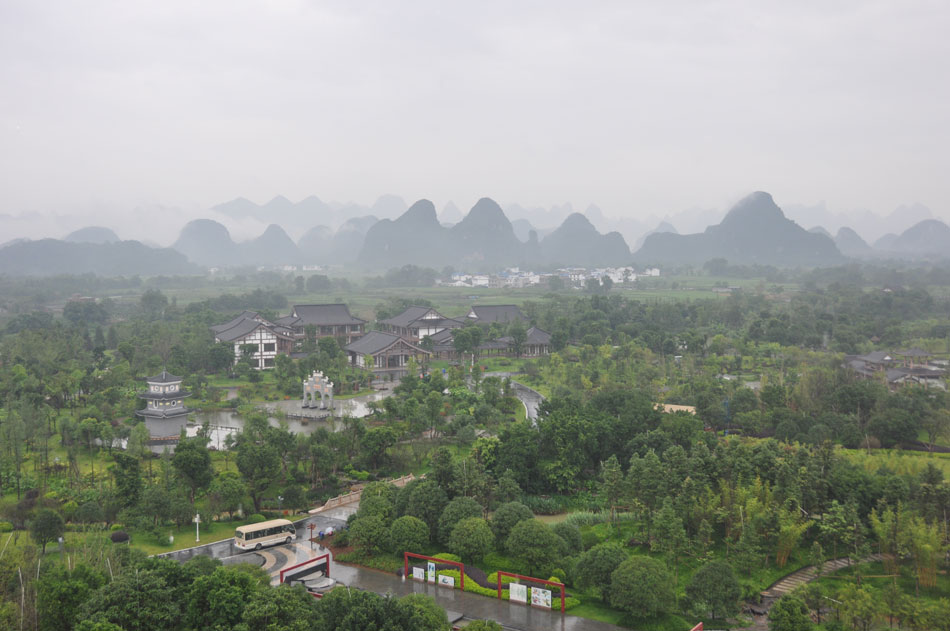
point(486, 238)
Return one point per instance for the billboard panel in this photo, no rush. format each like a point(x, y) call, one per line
point(419, 574)
point(541, 597)
point(518, 592)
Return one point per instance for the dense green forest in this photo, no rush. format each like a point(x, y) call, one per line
point(791, 459)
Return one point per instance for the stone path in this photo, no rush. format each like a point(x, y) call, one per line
point(786, 584)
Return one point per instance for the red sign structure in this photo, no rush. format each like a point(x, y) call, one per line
point(405, 565)
point(533, 580)
point(307, 562)
point(698, 627)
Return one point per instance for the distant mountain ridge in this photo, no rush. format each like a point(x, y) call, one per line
point(485, 239)
point(47, 257)
point(209, 243)
point(851, 244)
point(754, 231)
point(929, 238)
point(92, 234)
point(310, 211)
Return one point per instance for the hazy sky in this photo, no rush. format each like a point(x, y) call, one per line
point(638, 107)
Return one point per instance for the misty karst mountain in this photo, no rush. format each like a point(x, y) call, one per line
point(92, 234)
point(928, 239)
point(485, 239)
point(416, 237)
point(576, 242)
point(754, 231)
point(122, 258)
point(322, 246)
point(280, 210)
point(207, 242)
point(273, 247)
point(308, 212)
point(851, 244)
point(484, 235)
point(664, 226)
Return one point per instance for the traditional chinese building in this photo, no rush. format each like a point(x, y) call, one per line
point(384, 353)
point(250, 328)
point(415, 323)
point(165, 414)
point(502, 314)
point(333, 320)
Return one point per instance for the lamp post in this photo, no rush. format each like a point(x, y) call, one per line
point(197, 521)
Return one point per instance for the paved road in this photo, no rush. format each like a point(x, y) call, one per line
point(530, 398)
point(226, 551)
point(508, 614)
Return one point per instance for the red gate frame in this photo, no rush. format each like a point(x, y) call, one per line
point(698, 627)
point(533, 580)
point(294, 567)
point(405, 565)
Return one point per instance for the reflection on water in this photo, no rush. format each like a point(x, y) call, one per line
point(224, 422)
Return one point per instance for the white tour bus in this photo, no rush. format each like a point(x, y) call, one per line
point(266, 533)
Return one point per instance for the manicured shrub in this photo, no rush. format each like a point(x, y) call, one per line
point(370, 534)
point(119, 536)
point(455, 511)
point(256, 518)
point(448, 556)
point(571, 535)
point(641, 586)
point(536, 545)
point(408, 534)
point(505, 518)
point(471, 539)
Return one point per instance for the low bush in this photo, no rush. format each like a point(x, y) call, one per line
point(447, 556)
point(6, 526)
point(119, 536)
point(256, 518)
point(543, 505)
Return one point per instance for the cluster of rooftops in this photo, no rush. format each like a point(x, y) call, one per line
point(401, 335)
point(911, 366)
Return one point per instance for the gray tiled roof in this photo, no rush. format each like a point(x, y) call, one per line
point(497, 313)
point(242, 329)
point(246, 315)
point(164, 377)
point(375, 342)
point(287, 320)
point(324, 315)
point(915, 352)
point(538, 336)
point(408, 316)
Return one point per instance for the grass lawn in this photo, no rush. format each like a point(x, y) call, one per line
point(941, 440)
point(901, 462)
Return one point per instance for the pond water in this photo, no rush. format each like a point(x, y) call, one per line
point(225, 422)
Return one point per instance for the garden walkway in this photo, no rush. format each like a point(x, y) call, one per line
point(786, 584)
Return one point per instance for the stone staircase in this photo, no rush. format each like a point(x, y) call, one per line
point(788, 583)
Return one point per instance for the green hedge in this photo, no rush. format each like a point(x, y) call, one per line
point(447, 556)
point(475, 588)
